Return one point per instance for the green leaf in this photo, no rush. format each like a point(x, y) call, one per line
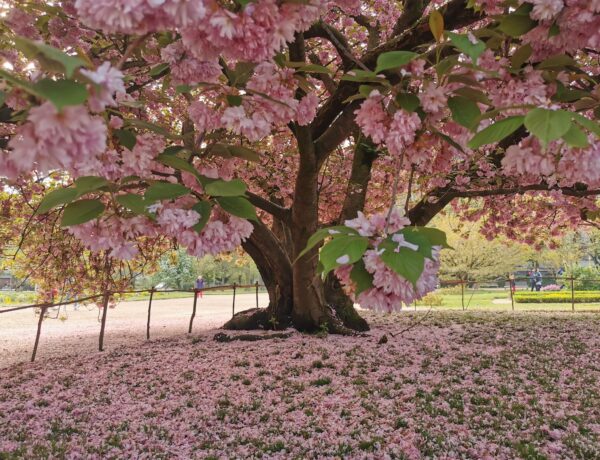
point(516, 25)
point(463, 43)
point(393, 60)
point(557, 62)
point(164, 191)
point(86, 184)
point(521, 56)
point(496, 132)
point(133, 202)
point(2, 98)
point(323, 233)
point(342, 251)
point(447, 139)
point(242, 73)
point(363, 280)
point(464, 111)
point(238, 206)
point(173, 150)
point(436, 25)
point(362, 76)
point(61, 93)
point(158, 69)
point(408, 101)
point(446, 65)
point(48, 56)
point(203, 208)
point(56, 198)
point(407, 263)
point(176, 163)
point(424, 246)
point(81, 211)
point(219, 187)
point(234, 100)
point(435, 236)
point(151, 127)
point(575, 137)
point(567, 94)
point(548, 125)
point(554, 30)
point(238, 151)
point(313, 68)
point(474, 94)
point(126, 138)
point(587, 123)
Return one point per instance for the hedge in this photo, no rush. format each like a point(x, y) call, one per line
point(557, 297)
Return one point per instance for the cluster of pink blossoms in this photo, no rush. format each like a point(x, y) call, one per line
point(397, 131)
point(390, 290)
point(577, 20)
point(255, 33)
point(189, 70)
point(54, 140)
point(118, 235)
point(530, 162)
point(257, 115)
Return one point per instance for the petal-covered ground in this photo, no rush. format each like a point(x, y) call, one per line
point(444, 385)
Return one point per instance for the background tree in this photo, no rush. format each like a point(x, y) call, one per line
point(474, 257)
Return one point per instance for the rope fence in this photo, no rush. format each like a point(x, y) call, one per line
point(105, 296)
point(511, 283)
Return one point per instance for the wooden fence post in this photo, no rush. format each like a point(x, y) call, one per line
point(233, 306)
point(462, 294)
point(257, 294)
point(103, 325)
point(39, 331)
point(572, 293)
point(149, 310)
point(193, 311)
point(510, 288)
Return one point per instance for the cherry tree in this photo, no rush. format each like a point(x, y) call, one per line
point(40, 252)
point(320, 135)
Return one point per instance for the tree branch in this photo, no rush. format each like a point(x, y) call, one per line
point(281, 213)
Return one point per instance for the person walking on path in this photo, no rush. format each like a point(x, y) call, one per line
point(538, 279)
point(199, 286)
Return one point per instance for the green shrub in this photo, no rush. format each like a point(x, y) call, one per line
point(450, 290)
point(557, 297)
point(433, 299)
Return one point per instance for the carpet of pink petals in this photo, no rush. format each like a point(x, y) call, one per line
point(475, 385)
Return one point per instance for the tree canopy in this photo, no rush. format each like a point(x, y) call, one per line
point(289, 125)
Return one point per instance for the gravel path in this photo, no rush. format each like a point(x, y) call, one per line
point(125, 324)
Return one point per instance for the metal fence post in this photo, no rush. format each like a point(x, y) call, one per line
point(193, 311)
point(233, 306)
point(149, 310)
point(103, 325)
point(39, 331)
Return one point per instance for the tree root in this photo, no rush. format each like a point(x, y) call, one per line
point(222, 337)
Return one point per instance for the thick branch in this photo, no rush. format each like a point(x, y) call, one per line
point(456, 15)
point(274, 209)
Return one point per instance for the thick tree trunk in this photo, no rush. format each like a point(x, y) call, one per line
point(276, 271)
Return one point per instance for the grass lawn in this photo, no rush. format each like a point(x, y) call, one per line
point(494, 300)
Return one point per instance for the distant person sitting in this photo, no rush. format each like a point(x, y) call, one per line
point(199, 286)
